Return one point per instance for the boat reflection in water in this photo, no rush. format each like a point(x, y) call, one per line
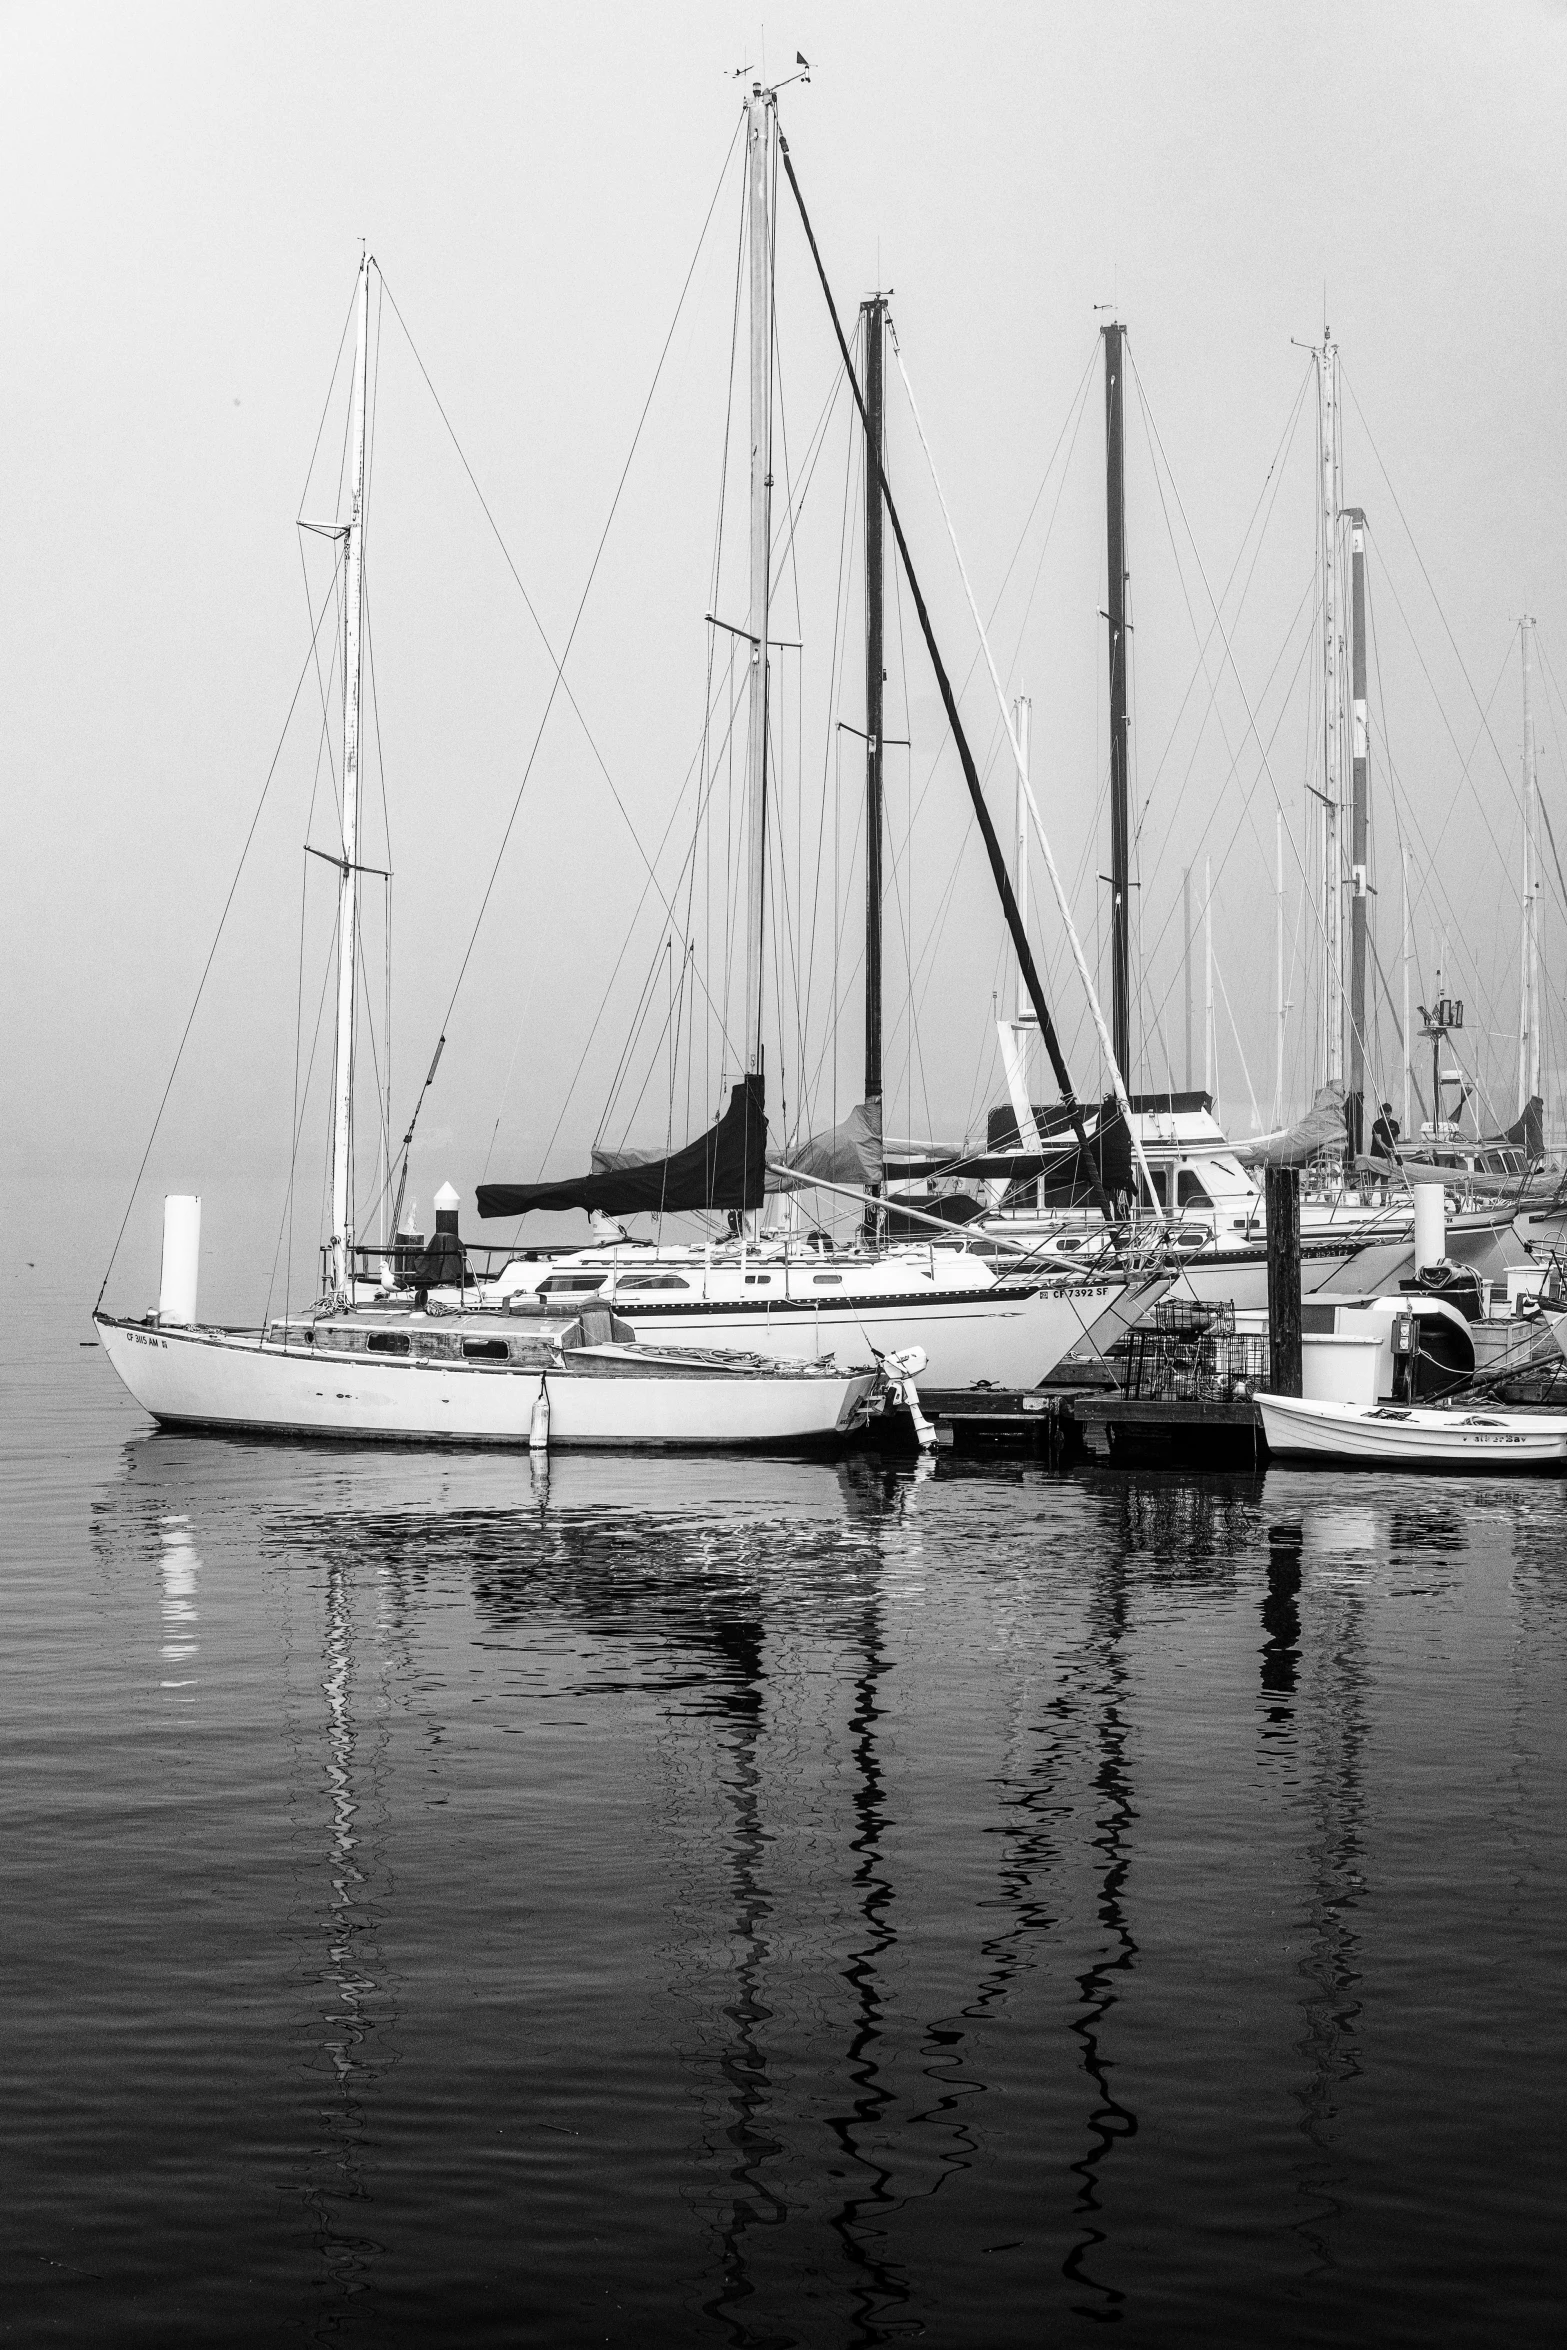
point(799, 1898)
point(336, 2191)
point(180, 1567)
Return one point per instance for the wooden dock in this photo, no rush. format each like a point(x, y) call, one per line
point(1165, 1432)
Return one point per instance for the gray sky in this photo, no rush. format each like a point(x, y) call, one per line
point(185, 191)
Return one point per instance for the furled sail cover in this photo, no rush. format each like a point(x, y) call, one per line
point(1528, 1132)
point(1070, 1174)
point(849, 1152)
point(723, 1168)
point(1321, 1129)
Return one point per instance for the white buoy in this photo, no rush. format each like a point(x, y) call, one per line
point(181, 1257)
point(539, 1420)
point(1430, 1225)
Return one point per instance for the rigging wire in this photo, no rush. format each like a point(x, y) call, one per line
point(211, 952)
point(559, 685)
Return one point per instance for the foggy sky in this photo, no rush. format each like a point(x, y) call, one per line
point(185, 191)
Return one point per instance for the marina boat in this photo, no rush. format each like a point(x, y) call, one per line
point(971, 1319)
point(1165, 1156)
point(999, 1316)
point(1402, 1436)
point(785, 1335)
point(481, 1378)
point(355, 1370)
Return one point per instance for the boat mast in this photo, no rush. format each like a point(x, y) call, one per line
point(873, 317)
point(1332, 717)
point(1211, 1039)
point(1403, 868)
point(1278, 967)
point(1358, 841)
point(1022, 712)
point(1529, 1011)
point(759, 168)
point(1120, 824)
point(348, 884)
point(1186, 965)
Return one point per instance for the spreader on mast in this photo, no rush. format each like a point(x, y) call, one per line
point(759, 128)
point(1529, 1018)
point(348, 885)
point(1332, 716)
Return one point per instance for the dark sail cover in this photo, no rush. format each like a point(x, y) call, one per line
point(723, 1168)
point(1528, 1133)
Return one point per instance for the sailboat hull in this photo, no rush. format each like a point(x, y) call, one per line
point(208, 1379)
point(967, 1336)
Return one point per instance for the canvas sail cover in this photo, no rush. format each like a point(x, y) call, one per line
point(1069, 1173)
point(849, 1152)
point(723, 1168)
point(1527, 1133)
point(1321, 1129)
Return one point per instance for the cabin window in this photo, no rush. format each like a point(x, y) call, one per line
point(1189, 1191)
point(485, 1350)
point(629, 1281)
point(761, 1280)
point(571, 1285)
point(1157, 1176)
point(824, 1280)
point(387, 1342)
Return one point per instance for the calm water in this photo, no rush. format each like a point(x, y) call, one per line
point(791, 1903)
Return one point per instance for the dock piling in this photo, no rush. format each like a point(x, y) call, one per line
point(1282, 1195)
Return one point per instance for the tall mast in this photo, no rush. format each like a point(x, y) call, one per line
point(873, 314)
point(1358, 837)
point(1529, 1012)
point(1209, 1038)
point(1278, 967)
point(1022, 711)
point(1332, 718)
point(348, 885)
point(1403, 867)
point(1120, 826)
point(759, 168)
point(1186, 963)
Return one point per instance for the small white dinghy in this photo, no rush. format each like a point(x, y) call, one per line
point(1400, 1436)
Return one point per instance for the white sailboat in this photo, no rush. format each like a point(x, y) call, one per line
point(394, 1369)
point(993, 1316)
point(1188, 1173)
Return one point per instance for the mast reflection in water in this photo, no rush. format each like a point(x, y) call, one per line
point(771, 1903)
point(336, 2192)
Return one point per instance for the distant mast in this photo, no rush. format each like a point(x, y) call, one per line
point(1120, 820)
point(1022, 714)
point(1332, 717)
point(348, 884)
point(1359, 835)
point(1529, 1001)
point(873, 318)
point(759, 170)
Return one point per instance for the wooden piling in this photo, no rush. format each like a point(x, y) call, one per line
point(1282, 1196)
